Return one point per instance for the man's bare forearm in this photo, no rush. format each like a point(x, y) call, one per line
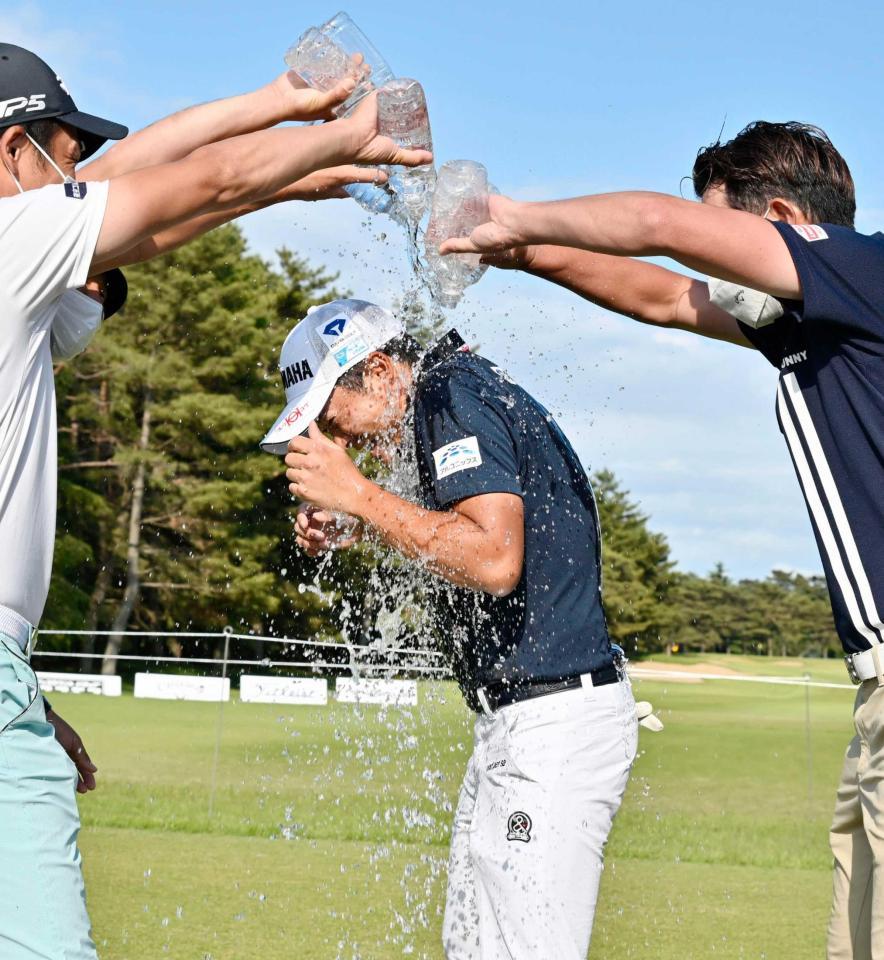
point(635, 289)
point(216, 179)
point(181, 133)
point(449, 544)
point(729, 244)
point(168, 240)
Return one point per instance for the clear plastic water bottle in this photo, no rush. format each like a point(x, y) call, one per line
point(374, 70)
point(324, 56)
point(460, 204)
point(403, 116)
point(320, 62)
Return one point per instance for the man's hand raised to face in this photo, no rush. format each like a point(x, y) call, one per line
point(320, 472)
point(318, 531)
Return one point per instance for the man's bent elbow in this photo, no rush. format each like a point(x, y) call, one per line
point(502, 579)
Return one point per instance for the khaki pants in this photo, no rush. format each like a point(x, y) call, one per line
point(856, 927)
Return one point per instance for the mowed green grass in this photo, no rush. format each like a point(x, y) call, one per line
point(329, 830)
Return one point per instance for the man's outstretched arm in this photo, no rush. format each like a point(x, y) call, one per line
point(728, 244)
point(641, 291)
point(321, 185)
point(286, 98)
point(234, 173)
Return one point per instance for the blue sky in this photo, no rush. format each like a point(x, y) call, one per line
point(557, 100)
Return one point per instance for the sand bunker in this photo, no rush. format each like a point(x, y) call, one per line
point(678, 670)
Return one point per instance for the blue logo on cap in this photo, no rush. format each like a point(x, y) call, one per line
point(334, 328)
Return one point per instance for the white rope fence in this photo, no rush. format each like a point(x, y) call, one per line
point(359, 658)
point(362, 661)
point(649, 673)
point(359, 655)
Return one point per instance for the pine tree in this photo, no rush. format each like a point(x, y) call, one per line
point(171, 515)
point(636, 569)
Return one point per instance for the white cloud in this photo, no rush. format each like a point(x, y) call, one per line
point(73, 52)
point(88, 58)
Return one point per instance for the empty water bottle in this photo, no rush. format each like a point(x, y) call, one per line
point(320, 62)
point(460, 204)
point(403, 116)
point(373, 68)
point(323, 57)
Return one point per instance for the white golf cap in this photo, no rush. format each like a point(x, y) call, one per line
point(317, 353)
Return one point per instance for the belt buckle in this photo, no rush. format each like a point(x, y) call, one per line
point(851, 670)
point(620, 661)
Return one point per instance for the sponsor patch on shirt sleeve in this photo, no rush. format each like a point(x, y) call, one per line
point(75, 190)
point(457, 456)
point(810, 231)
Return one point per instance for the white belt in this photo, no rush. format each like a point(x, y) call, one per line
point(14, 626)
point(868, 665)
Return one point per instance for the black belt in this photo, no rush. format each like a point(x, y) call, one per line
point(501, 695)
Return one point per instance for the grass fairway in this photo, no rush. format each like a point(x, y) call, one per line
point(329, 829)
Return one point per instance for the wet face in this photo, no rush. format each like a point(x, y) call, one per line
point(372, 417)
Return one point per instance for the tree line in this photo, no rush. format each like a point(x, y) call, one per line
point(171, 518)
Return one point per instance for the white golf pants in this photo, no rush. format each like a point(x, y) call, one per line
point(541, 789)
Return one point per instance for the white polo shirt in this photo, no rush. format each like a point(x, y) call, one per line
point(47, 240)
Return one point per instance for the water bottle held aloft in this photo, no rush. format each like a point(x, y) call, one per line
point(324, 56)
point(460, 204)
point(404, 118)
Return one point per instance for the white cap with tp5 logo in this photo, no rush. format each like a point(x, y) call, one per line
point(317, 353)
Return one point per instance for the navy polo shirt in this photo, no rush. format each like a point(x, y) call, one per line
point(829, 349)
point(477, 432)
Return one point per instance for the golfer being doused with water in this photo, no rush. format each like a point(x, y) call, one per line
point(57, 231)
point(503, 514)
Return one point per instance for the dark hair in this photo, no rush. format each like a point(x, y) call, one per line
point(403, 348)
point(796, 161)
point(43, 132)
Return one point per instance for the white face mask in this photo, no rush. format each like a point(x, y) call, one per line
point(65, 178)
point(76, 322)
point(752, 307)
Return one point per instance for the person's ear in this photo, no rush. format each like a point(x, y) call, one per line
point(785, 211)
point(378, 368)
point(12, 142)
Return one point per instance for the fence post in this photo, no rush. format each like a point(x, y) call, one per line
point(219, 727)
point(354, 663)
point(808, 743)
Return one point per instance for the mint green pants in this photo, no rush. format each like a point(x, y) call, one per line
point(42, 897)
